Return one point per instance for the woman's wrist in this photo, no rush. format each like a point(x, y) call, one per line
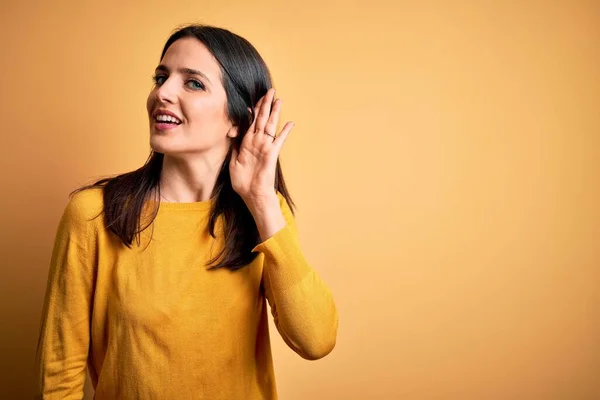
point(267, 215)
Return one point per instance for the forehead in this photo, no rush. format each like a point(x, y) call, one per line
point(191, 53)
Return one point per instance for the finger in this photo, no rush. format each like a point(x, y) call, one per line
point(258, 104)
point(280, 139)
point(264, 111)
point(271, 126)
point(252, 126)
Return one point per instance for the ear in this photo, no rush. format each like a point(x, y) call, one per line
point(232, 132)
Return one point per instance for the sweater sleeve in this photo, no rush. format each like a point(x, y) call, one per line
point(301, 304)
point(64, 338)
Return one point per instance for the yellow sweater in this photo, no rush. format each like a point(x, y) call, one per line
point(152, 322)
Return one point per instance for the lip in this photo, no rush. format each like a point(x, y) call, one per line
point(163, 126)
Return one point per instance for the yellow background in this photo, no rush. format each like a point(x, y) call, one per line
point(445, 161)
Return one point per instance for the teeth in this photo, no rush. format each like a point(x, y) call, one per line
point(167, 118)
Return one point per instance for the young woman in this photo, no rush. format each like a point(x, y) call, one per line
point(159, 277)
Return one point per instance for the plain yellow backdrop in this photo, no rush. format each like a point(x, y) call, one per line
point(445, 162)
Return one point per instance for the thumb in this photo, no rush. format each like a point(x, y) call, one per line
point(234, 154)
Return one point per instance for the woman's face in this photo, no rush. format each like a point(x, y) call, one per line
point(187, 106)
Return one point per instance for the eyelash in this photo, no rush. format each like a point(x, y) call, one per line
point(156, 78)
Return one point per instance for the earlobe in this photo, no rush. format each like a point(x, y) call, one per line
point(232, 132)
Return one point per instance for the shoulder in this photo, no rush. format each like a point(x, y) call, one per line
point(84, 207)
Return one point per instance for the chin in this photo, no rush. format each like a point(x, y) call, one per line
point(172, 146)
point(164, 145)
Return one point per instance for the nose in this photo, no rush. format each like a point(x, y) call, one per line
point(166, 92)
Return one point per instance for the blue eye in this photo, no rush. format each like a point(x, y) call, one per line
point(194, 84)
point(159, 79)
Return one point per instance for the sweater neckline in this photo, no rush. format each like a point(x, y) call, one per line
point(197, 205)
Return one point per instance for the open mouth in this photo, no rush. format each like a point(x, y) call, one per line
point(167, 120)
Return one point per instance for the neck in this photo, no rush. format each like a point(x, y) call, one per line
point(190, 179)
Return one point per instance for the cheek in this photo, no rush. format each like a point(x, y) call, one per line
point(200, 112)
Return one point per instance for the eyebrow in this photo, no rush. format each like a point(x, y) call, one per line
point(188, 71)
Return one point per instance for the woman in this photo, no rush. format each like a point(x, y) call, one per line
point(159, 277)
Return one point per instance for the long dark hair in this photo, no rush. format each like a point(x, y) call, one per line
point(246, 79)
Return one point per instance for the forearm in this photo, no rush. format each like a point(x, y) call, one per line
point(302, 305)
point(305, 314)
